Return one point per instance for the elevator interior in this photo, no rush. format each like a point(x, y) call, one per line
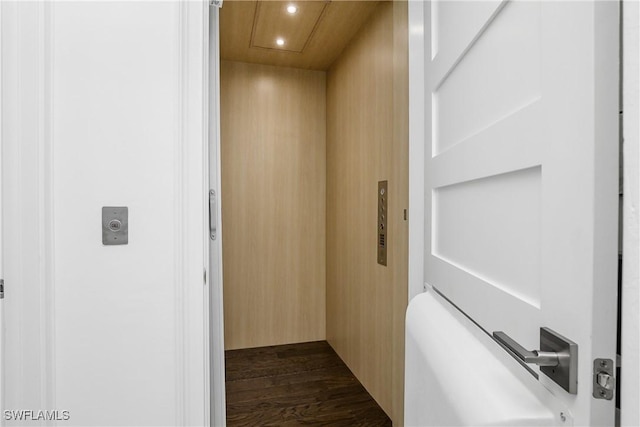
point(314, 102)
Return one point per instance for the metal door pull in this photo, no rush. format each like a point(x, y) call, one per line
point(213, 215)
point(540, 358)
point(557, 357)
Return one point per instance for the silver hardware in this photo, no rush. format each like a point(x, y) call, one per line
point(540, 358)
point(382, 222)
point(557, 357)
point(1, 288)
point(604, 382)
point(115, 225)
point(217, 3)
point(213, 215)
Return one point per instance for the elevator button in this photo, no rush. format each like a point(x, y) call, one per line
point(382, 222)
point(115, 225)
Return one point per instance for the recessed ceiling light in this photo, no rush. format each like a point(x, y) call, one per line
point(280, 41)
point(292, 9)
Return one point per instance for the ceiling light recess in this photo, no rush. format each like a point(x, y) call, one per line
point(292, 9)
point(280, 41)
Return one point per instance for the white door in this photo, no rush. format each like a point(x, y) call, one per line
point(103, 105)
point(521, 171)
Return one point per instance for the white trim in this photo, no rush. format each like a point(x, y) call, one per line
point(179, 171)
point(191, 334)
point(417, 49)
point(2, 382)
point(46, 209)
point(630, 351)
point(193, 80)
point(216, 308)
point(27, 180)
point(205, 217)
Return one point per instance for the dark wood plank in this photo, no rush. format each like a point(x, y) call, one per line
point(279, 360)
point(255, 368)
point(277, 380)
point(313, 347)
point(296, 384)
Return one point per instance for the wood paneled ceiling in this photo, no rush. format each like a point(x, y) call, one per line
point(313, 37)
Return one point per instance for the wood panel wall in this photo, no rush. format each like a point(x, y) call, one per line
point(273, 145)
point(367, 141)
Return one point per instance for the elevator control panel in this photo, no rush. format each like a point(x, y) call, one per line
point(115, 225)
point(382, 222)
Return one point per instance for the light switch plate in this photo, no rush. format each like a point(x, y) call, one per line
point(115, 225)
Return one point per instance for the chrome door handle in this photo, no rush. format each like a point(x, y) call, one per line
point(540, 358)
point(557, 357)
point(213, 215)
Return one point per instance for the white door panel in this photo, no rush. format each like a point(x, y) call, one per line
point(487, 387)
point(455, 25)
point(521, 173)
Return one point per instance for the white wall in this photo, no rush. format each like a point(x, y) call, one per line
point(103, 105)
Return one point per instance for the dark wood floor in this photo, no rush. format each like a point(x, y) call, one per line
point(296, 384)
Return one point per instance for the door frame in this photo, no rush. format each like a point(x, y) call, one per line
point(417, 153)
point(214, 247)
point(630, 385)
point(630, 20)
point(2, 421)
